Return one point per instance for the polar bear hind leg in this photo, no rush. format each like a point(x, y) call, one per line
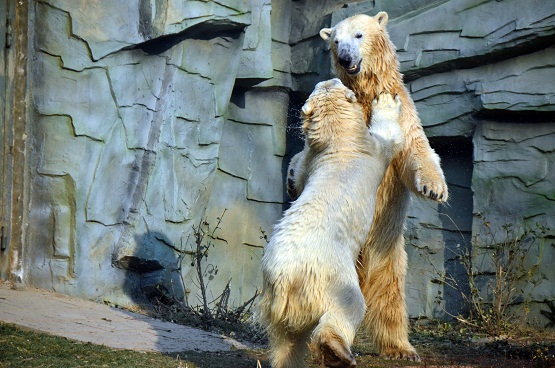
point(288, 349)
point(336, 329)
point(386, 315)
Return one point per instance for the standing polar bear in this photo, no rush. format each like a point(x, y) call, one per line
point(364, 58)
point(311, 288)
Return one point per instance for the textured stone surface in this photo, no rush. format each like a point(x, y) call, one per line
point(448, 102)
point(256, 61)
point(93, 115)
point(513, 185)
point(459, 33)
point(514, 172)
point(108, 27)
point(133, 120)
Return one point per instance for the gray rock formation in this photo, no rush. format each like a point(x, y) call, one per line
point(140, 136)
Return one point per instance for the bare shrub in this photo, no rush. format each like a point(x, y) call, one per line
point(208, 313)
point(500, 281)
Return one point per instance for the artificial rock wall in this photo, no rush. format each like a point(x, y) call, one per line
point(149, 117)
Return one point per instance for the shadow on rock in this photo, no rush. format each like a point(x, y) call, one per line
point(152, 276)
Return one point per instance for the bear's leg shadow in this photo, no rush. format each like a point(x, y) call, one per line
point(288, 350)
point(383, 287)
point(336, 329)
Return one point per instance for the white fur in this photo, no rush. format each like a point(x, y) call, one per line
point(311, 287)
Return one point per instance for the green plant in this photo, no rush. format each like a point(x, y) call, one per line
point(498, 278)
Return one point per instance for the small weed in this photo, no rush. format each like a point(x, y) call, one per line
point(496, 294)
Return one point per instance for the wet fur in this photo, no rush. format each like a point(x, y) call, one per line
point(311, 288)
point(383, 259)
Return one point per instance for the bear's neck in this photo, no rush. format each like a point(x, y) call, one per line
point(368, 88)
point(368, 84)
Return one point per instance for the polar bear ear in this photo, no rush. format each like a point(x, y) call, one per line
point(325, 33)
point(307, 108)
point(307, 112)
point(350, 96)
point(382, 18)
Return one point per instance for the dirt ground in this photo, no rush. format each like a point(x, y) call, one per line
point(439, 350)
point(439, 344)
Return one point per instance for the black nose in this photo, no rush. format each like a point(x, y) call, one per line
point(345, 60)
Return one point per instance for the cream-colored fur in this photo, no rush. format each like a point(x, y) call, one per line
point(364, 58)
point(311, 287)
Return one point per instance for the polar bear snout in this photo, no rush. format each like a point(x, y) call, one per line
point(351, 66)
point(348, 57)
point(344, 59)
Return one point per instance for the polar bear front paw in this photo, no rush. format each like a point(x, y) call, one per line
point(386, 107)
point(431, 187)
point(386, 111)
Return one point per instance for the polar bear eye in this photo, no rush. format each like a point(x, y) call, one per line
point(358, 35)
point(337, 42)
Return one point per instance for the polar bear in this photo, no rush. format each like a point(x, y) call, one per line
point(364, 58)
point(311, 290)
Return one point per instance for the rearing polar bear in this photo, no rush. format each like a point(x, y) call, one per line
point(311, 288)
point(364, 58)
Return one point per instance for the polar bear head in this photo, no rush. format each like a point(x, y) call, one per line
point(360, 45)
point(331, 113)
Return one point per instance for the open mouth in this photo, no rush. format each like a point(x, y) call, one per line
point(355, 69)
